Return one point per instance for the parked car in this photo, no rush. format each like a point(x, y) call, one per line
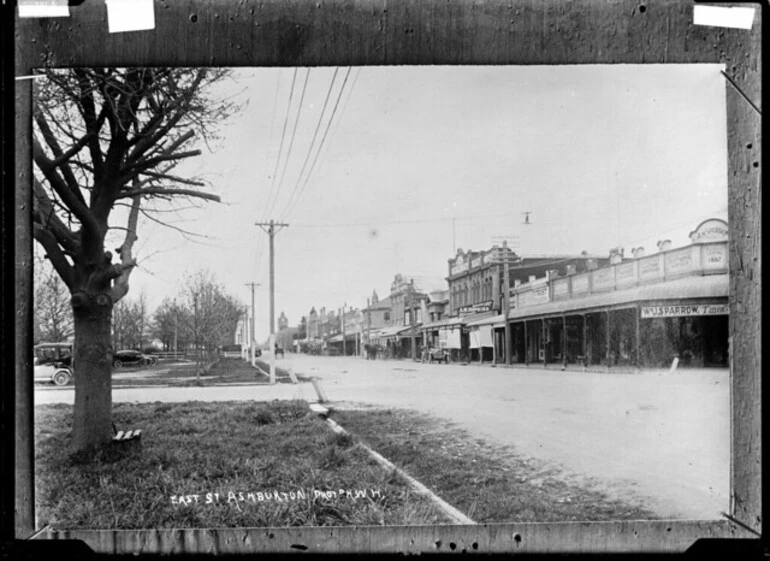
point(132, 358)
point(53, 363)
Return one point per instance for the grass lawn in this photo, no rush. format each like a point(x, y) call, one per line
point(226, 371)
point(208, 465)
point(488, 484)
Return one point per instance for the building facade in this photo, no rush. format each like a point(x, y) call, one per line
point(658, 310)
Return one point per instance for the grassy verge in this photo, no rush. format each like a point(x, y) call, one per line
point(208, 465)
point(489, 484)
point(226, 371)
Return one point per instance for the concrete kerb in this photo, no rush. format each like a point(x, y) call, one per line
point(455, 515)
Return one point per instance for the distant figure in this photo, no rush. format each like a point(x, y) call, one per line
point(278, 351)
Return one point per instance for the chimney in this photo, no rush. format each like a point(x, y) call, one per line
point(592, 264)
point(516, 283)
point(552, 274)
point(637, 252)
point(571, 270)
point(664, 245)
point(531, 278)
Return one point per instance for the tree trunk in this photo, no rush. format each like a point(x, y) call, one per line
point(92, 368)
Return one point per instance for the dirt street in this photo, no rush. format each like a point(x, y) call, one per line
point(658, 437)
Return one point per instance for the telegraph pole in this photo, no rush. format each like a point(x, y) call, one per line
point(342, 319)
point(253, 340)
point(503, 257)
point(412, 318)
point(271, 228)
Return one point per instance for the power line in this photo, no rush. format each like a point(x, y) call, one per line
point(291, 142)
point(272, 123)
point(312, 143)
point(283, 136)
point(323, 140)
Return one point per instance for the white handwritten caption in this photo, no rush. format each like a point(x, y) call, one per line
point(237, 497)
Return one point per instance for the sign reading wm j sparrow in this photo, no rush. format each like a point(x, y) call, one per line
point(677, 311)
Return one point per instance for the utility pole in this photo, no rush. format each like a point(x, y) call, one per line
point(270, 229)
point(253, 339)
point(411, 318)
point(176, 329)
point(342, 320)
point(503, 257)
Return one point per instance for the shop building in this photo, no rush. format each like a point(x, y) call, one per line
point(641, 312)
point(473, 328)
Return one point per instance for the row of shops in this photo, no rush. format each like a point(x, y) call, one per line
point(652, 311)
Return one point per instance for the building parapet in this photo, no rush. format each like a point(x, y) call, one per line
point(694, 260)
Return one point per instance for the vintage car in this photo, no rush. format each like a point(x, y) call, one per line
point(438, 355)
point(132, 358)
point(53, 363)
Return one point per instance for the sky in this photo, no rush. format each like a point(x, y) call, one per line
point(420, 160)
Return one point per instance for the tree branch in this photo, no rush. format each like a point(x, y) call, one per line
point(51, 221)
point(72, 201)
point(164, 191)
point(55, 255)
point(120, 286)
point(60, 157)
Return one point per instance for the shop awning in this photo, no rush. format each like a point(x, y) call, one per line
point(443, 324)
point(702, 287)
point(407, 329)
point(391, 331)
point(335, 339)
point(495, 320)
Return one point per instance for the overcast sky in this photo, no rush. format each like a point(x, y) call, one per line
point(601, 156)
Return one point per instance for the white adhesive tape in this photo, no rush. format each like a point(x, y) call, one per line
point(130, 15)
point(719, 16)
point(43, 9)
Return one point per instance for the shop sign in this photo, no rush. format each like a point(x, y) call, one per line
point(679, 261)
point(442, 338)
point(684, 311)
point(475, 308)
point(711, 230)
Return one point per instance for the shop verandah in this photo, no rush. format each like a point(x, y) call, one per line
point(621, 338)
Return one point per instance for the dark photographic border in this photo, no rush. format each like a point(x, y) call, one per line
point(419, 32)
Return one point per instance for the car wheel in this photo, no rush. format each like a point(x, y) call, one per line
point(61, 378)
point(144, 362)
point(117, 364)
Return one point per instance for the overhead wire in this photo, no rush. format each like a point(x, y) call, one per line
point(312, 143)
point(260, 242)
point(320, 147)
point(291, 142)
point(280, 148)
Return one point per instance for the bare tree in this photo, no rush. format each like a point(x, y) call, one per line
point(211, 316)
point(165, 325)
point(109, 140)
point(52, 310)
point(129, 319)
